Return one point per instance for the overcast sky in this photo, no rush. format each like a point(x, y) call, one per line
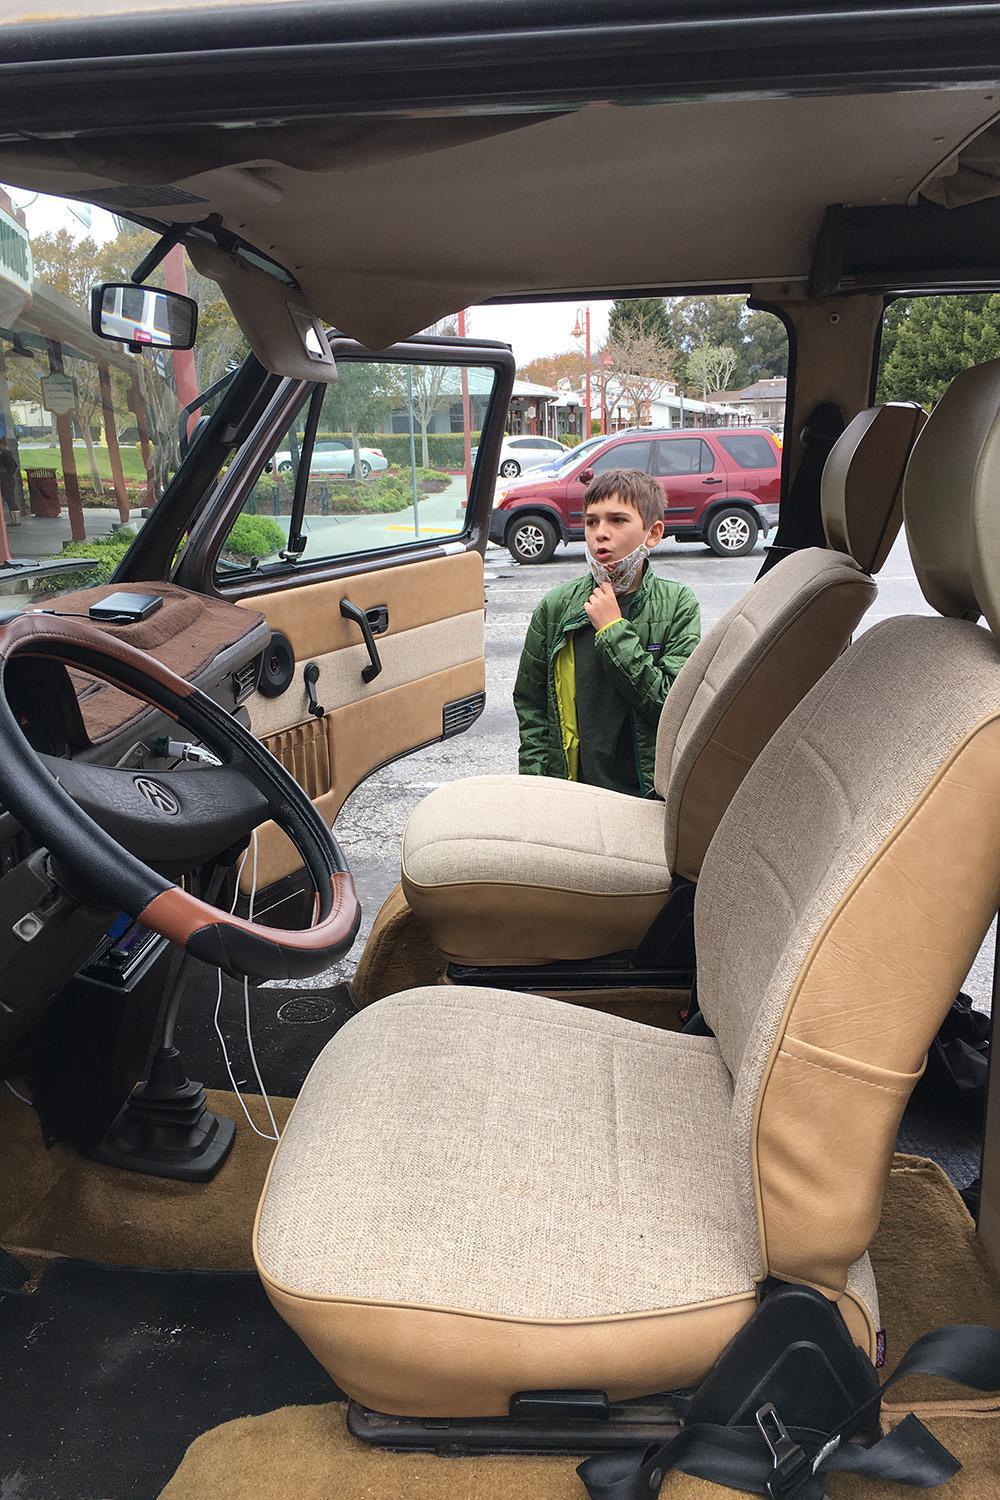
point(533, 328)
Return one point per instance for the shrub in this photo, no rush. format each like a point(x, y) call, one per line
point(108, 552)
point(253, 536)
point(444, 448)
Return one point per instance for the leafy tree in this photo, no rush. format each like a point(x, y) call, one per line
point(758, 338)
point(927, 341)
point(641, 315)
point(765, 349)
point(711, 367)
point(549, 369)
point(433, 387)
point(361, 394)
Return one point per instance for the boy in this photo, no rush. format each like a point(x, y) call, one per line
point(601, 651)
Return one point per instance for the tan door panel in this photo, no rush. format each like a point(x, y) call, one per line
point(432, 654)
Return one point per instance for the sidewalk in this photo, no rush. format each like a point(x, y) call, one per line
point(38, 537)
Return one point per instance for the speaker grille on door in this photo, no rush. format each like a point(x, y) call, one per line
point(461, 713)
point(305, 752)
point(277, 666)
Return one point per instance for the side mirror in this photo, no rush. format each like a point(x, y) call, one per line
point(585, 476)
point(143, 317)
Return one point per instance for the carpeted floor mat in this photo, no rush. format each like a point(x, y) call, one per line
point(305, 1452)
point(290, 1027)
point(930, 1269)
point(83, 1209)
point(109, 1373)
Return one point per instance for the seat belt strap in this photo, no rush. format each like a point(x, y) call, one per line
point(789, 1463)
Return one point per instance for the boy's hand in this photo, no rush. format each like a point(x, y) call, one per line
point(602, 606)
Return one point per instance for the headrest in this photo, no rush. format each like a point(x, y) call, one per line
point(862, 490)
point(951, 499)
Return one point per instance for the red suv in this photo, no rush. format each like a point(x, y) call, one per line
point(721, 486)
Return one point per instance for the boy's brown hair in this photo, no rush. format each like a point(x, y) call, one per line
point(632, 487)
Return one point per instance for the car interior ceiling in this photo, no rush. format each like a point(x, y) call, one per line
point(148, 1228)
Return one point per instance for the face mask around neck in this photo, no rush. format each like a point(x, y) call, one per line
point(623, 573)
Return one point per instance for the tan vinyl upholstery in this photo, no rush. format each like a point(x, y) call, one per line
point(480, 1192)
point(869, 460)
point(741, 681)
point(954, 545)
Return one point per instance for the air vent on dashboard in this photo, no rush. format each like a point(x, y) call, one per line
point(245, 680)
point(460, 714)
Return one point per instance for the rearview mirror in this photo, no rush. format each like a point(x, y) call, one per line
point(585, 476)
point(143, 317)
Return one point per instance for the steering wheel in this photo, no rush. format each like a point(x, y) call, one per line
point(180, 818)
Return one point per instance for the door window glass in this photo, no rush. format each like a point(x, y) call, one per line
point(750, 450)
point(622, 456)
point(391, 465)
point(678, 456)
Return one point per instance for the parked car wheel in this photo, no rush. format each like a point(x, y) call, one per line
point(366, 469)
point(732, 533)
point(532, 540)
point(510, 468)
point(285, 467)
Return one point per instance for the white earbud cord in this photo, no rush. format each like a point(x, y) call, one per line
point(246, 1012)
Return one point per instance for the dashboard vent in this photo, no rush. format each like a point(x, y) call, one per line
point(245, 680)
point(461, 713)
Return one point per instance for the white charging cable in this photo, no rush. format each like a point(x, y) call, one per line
point(246, 1012)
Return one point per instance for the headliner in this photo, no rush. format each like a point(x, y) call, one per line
point(389, 224)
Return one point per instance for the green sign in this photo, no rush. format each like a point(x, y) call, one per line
point(15, 252)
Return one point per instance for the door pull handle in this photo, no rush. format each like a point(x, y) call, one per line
point(353, 612)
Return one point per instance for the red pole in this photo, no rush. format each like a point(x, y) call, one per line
point(185, 373)
point(466, 417)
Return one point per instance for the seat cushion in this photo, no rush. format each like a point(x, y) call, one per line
point(528, 869)
point(481, 1192)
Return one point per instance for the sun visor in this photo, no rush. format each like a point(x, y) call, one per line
point(281, 329)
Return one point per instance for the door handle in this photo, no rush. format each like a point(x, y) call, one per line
point(713, 481)
point(354, 612)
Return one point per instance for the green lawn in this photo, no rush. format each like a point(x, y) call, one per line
point(48, 458)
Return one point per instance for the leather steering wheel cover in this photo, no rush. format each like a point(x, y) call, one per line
point(120, 881)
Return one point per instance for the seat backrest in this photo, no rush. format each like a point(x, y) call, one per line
point(765, 653)
point(857, 870)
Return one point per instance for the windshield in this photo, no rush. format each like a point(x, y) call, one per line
point(90, 433)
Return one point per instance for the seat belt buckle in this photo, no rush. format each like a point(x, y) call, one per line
point(793, 1468)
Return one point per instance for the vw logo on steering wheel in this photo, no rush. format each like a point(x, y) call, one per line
point(157, 796)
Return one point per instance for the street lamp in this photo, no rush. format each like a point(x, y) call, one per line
point(577, 333)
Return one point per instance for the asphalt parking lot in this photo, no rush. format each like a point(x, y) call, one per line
point(371, 823)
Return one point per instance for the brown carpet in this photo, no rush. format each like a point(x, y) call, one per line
point(63, 1204)
point(931, 1270)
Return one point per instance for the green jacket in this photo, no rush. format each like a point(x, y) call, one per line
point(642, 653)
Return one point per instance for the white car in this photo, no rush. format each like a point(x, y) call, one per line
point(527, 452)
point(334, 456)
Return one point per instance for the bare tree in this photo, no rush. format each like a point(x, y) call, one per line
point(639, 362)
point(433, 388)
point(711, 366)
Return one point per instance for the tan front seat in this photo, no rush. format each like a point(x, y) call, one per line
point(525, 870)
point(481, 1192)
